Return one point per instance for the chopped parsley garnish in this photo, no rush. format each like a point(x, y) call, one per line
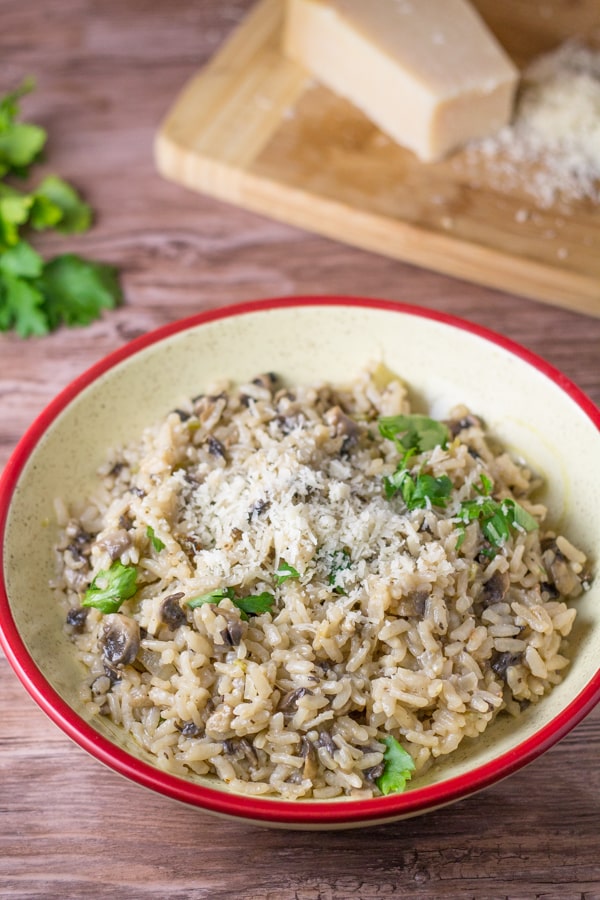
point(213, 597)
point(255, 604)
point(420, 490)
point(252, 605)
point(284, 572)
point(496, 517)
point(399, 766)
point(155, 541)
point(37, 296)
point(415, 434)
point(111, 588)
point(339, 561)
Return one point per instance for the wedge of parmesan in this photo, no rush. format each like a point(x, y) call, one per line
point(428, 73)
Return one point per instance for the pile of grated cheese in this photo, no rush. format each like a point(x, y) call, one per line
point(552, 148)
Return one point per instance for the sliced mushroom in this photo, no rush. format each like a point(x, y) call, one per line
point(501, 662)
point(234, 630)
point(414, 605)
point(241, 749)
point(326, 742)
point(233, 634)
point(561, 574)
point(171, 612)
point(455, 426)
point(190, 729)
point(120, 640)
point(267, 380)
point(76, 618)
point(495, 588)
point(77, 580)
point(374, 772)
point(343, 426)
point(115, 542)
point(288, 702)
point(311, 760)
point(215, 447)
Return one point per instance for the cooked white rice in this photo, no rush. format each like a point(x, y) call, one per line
point(384, 620)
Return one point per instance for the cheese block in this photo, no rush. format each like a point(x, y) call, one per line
point(429, 73)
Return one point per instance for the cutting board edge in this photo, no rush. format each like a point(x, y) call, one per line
point(397, 239)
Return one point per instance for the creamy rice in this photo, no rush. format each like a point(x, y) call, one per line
point(286, 611)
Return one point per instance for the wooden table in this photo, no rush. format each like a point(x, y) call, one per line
point(107, 72)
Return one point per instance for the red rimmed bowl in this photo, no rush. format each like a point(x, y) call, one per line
point(532, 408)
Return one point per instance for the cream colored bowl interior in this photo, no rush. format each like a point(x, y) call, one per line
point(442, 365)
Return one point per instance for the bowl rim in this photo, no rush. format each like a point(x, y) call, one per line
point(299, 813)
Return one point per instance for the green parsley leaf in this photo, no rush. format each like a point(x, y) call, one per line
point(20, 144)
point(340, 560)
point(76, 290)
point(399, 766)
point(284, 572)
point(496, 518)
point(414, 432)
point(21, 306)
point(111, 588)
point(255, 604)
point(155, 541)
point(21, 260)
point(64, 208)
point(213, 597)
point(420, 491)
point(36, 297)
point(9, 104)
point(14, 212)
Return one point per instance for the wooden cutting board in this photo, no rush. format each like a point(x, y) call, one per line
point(254, 129)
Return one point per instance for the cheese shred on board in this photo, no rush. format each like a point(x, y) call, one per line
point(552, 149)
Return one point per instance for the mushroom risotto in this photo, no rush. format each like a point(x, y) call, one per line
point(312, 591)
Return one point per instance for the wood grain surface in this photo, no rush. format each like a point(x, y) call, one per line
point(107, 72)
point(254, 128)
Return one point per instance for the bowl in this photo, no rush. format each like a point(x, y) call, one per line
point(531, 407)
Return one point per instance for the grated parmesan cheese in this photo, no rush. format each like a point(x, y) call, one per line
point(552, 148)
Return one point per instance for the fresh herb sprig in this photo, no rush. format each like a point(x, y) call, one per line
point(252, 605)
point(399, 766)
point(415, 434)
point(37, 296)
point(154, 540)
point(497, 518)
point(285, 572)
point(111, 587)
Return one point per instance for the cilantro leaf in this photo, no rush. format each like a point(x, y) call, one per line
point(155, 541)
point(76, 290)
point(399, 766)
point(284, 572)
point(111, 588)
